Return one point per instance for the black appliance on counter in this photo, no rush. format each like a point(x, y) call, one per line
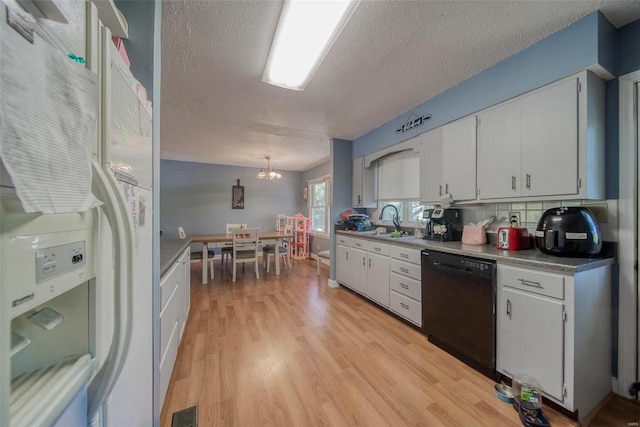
point(458, 307)
point(568, 231)
point(442, 225)
point(358, 222)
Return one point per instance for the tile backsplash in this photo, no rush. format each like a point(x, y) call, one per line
point(606, 211)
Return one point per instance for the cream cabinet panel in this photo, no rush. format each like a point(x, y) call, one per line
point(378, 278)
point(550, 140)
point(431, 166)
point(459, 158)
point(358, 270)
point(499, 151)
point(542, 319)
point(342, 265)
point(363, 185)
point(448, 161)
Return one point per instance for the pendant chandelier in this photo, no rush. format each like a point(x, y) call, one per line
point(268, 173)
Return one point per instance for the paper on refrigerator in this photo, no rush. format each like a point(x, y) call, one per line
point(49, 108)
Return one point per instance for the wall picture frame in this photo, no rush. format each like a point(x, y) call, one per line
point(237, 196)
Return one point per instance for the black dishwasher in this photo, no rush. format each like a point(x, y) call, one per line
point(458, 307)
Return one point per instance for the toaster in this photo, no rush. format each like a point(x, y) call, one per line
point(513, 238)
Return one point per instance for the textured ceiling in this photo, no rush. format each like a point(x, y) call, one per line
point(391, 56)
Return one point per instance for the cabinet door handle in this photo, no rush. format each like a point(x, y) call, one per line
point(509, 309)
point(446, 188)
point(404, 255)
point(440, 190)
point(404, 270)
point(369, 262)
point(359, 202)
point(405, 306)
point(528, 182)
point(403, 286)
point(347, 256)
point(513, 183)
point(364, 261)
point(530, 283)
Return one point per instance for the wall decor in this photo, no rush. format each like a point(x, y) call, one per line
point(412, 122)
point(237, 196)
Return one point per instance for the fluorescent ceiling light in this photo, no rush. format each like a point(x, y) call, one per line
point(306, 31)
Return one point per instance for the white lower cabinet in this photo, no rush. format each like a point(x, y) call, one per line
point(406, 289)
point(363, 266)
point(556, 328)
point(175, 288)
point(378, 273)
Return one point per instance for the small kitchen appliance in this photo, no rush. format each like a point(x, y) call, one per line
point(358, 222)
point(568, 231)
point(513, 238)
point(442, 224)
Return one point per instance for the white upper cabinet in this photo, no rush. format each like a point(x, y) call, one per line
point(363, 185)
point(459, 158)
point(547, 143)
point(448, 161)
point(499, 151)
point(431, 166)
point(550, 140)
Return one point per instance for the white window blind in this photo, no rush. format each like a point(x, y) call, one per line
point(399, 176)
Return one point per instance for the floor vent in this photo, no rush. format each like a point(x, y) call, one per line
point(185, 418)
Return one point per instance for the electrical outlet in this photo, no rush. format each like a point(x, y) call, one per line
point(514, 217)
point(600, 211)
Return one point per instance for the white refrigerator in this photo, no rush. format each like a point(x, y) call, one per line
point(76, 287)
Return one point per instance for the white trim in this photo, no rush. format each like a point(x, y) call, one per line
point(324, 178)
point(627, 234)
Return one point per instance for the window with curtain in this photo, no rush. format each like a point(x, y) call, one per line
point(399, 176)
point(399, 185)
point(318, 193)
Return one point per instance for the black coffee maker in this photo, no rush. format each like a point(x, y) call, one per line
point(442, 225)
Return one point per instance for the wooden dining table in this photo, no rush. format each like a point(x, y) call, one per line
point(226, 240)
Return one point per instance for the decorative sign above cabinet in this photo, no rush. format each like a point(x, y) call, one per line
point(412, 122)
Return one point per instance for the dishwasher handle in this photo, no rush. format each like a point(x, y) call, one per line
point(453, 267)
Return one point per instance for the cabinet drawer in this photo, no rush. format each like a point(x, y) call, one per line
point(224, 244)
point(405, 254)
point(406, 307)
point(344, 241)
point(168, 360)
point(406, 269)
point(168, 284)
point(168, 317)
point(359, 244)
point(378, 248)
point(407, 286)
point(537, 282)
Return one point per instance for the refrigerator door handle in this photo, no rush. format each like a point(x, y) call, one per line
point(106, 188)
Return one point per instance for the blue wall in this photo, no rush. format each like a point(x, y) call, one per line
point(581, 45)
point(197, 196)
point(628, 49)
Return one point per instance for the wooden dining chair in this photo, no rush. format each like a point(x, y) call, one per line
point(245, 249)
point(284, 251)
point(226, 251)
point(197, 255)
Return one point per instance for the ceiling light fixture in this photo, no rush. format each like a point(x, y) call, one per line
point(268, 173)
point(306, 31)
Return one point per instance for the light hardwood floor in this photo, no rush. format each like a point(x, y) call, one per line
point(290, 351)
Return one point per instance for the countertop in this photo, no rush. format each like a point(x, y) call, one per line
point(524, 258)
point(170, 250)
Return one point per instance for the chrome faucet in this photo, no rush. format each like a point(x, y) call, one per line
point(396, 217)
